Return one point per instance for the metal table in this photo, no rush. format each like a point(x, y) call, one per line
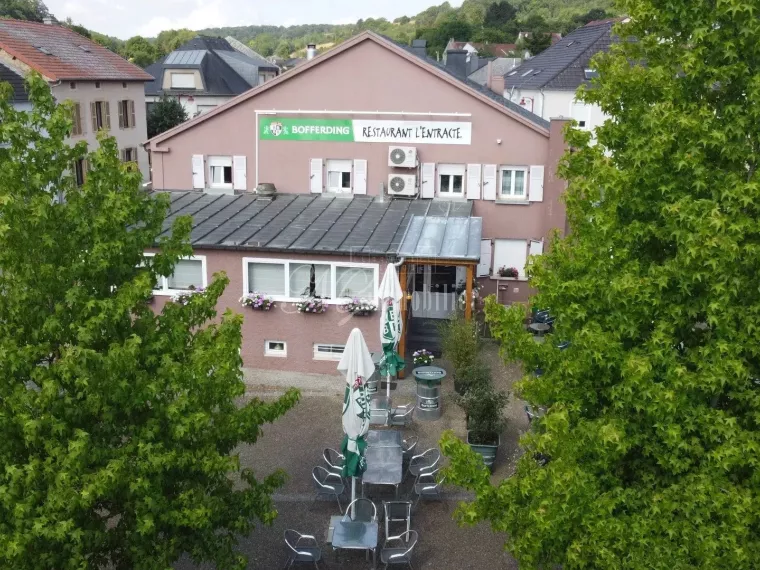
point(383, 438)
point(539, 328)
point(383, 466)
point(379, 410)
point(354, 535)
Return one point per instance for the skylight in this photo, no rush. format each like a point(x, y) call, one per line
point(511, 73)
point(590, 73)
point(85, 48)
point(527, 72)
point(571, 42)
point(43, 50)
point(536, 72)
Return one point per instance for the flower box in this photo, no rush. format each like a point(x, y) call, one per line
point(509, 272)
point(312, 305)
point(360, 307)
point(423, 357)
point(257, 302)
point(184, 297)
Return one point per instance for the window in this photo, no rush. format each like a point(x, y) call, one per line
point(339, 176)
point(277, 348)
point(513, 183)
point(127, 114)
point(328, 351)
point(183, 81)
point(101, 115)
point(220, 171)
point(510, 253)
point(76, 116)
point(189, 274)
point(73, 85)
point(97, 85)
point(265, 76)
point(80, 171)
point(287, 280)
point(580, 112)
point(124, 84)
point(450, 180)
point(129, 154)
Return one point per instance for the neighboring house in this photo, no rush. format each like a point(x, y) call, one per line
point(245, 50)
point(497, 66)
point(546, 84)
point(19, 97)
point(106, 89)
point(400, 158)
point(204, 73)
point(481, 49)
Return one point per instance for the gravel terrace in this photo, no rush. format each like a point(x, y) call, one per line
point(295, 443)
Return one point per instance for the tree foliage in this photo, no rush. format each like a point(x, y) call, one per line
point(652, 425)
point(165, 114)
point(499, 14)
point(32, 10)
point(140, 51)
point(118, 425)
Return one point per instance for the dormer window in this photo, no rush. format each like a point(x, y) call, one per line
point(590, 73)
point(182, 80)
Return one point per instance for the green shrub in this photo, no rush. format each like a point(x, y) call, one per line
point(484, 408)
point(475, 374)
point(460, 342)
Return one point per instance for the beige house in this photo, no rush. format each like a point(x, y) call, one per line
point(107, 91)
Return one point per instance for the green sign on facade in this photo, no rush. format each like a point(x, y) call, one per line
point(295, 129)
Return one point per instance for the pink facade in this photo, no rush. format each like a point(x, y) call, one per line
point(367, 78)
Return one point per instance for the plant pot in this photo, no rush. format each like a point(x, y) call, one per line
point(488, 452)
point(266, 189)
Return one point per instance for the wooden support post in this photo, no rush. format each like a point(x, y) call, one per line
point(404, 311)
point(468, 293)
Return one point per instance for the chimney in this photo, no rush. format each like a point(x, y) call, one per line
point(489, 73)
point(311, 51)
point(419, 47)
point(497, 84)
point(456, 62)
point(48, 20)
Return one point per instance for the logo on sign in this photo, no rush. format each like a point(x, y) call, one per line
point(276, 128)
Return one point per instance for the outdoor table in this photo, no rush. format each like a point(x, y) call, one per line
point(539, 328)
point(379, 410)
point(383, 438)
point(428, 392)
point(383, 466)
point(354, 535)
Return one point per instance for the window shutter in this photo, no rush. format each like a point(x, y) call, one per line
point(484, 266)
point(123, 153)
point(428, 180)
point(239, 173)
point(77, 120)
point(94, 115)
point(489, 182)
point(315, 176)
point(536, 189)
point(198, 175)
point(473, 181)
point(108, 115)
point(360, 176)
point(132, 121)
point(536, 247)
point(121, 115)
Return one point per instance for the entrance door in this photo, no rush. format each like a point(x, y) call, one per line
point(434, 291)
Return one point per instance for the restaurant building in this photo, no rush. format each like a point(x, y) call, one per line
point(378, 154)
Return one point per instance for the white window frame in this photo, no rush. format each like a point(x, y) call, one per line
point(288, 297)
point(511, 196)
point(339, 165)
point(583, 113)
point(273, 352)
point(164, 279)
point(498, 263)
point(183, 74)
point(220, 162)
point(320, 355)
point(452, 170)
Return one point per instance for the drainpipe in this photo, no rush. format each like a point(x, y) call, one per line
point(543, 102)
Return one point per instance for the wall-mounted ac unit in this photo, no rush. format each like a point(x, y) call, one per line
point(402, 185)
point(402, 156)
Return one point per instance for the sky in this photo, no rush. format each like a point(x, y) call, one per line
point(127, 18)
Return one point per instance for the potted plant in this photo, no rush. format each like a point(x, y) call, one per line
point(360, 307)
point(423, 357)
point(460, 343)
point(183, 297)
point(484, 410)
point(510, 272)
point(257, 301)
point(475, 374)
point(311, 305)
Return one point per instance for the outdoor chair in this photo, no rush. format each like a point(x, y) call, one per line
point(428, 486)
point(402, 415)
point(425, 462)
point(397, 512)
point(530, 413)
point(364, 511)
point(334, 460)
point(328, 484)
point(398, 549)
point(302, 548)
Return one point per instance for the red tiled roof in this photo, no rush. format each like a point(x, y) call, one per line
point(61, 54)
point(496, 49)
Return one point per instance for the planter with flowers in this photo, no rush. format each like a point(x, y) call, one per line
point(183, 297)
point(311, 305)
point(423, 357)
point(360, 307)
point(257, 301)
point(509, 272)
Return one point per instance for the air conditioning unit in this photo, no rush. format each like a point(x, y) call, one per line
point(402, 156)
point(402, 185)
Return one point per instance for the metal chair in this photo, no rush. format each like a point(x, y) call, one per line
point(427, 485)
point(364, 511)
point(425, 462)
point(334, 460)
point(329, 484)
point(402, 415)
point(398, 549)
point(302, 548)
point(397, 512)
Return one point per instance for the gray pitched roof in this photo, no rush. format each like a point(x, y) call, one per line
point(477, 87)
point(315, 223)
point(562, 65)
point(19, 94)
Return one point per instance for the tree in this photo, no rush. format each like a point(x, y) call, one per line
point(169, 40)
point(647, 454)
point(492, 36)
point(536, 42)
point(499, 14)
point(81, 30)
point(119, 425)
point(140, 51)
point(165, 114)
point(33, 10)
point(284, 49)
point(264, 44)
point(590, 16)
point(472, 12)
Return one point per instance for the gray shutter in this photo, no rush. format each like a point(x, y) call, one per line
point(94, 115)
point(473, 181)
point(239, 173)
point(108, 115)
point(315, 175)
point(121, 115)
point(199, 179)
point(131, 109)
point(484, 265)
point(428, 180)
point(536, 189)
point(360, 176)
point(489, 182)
